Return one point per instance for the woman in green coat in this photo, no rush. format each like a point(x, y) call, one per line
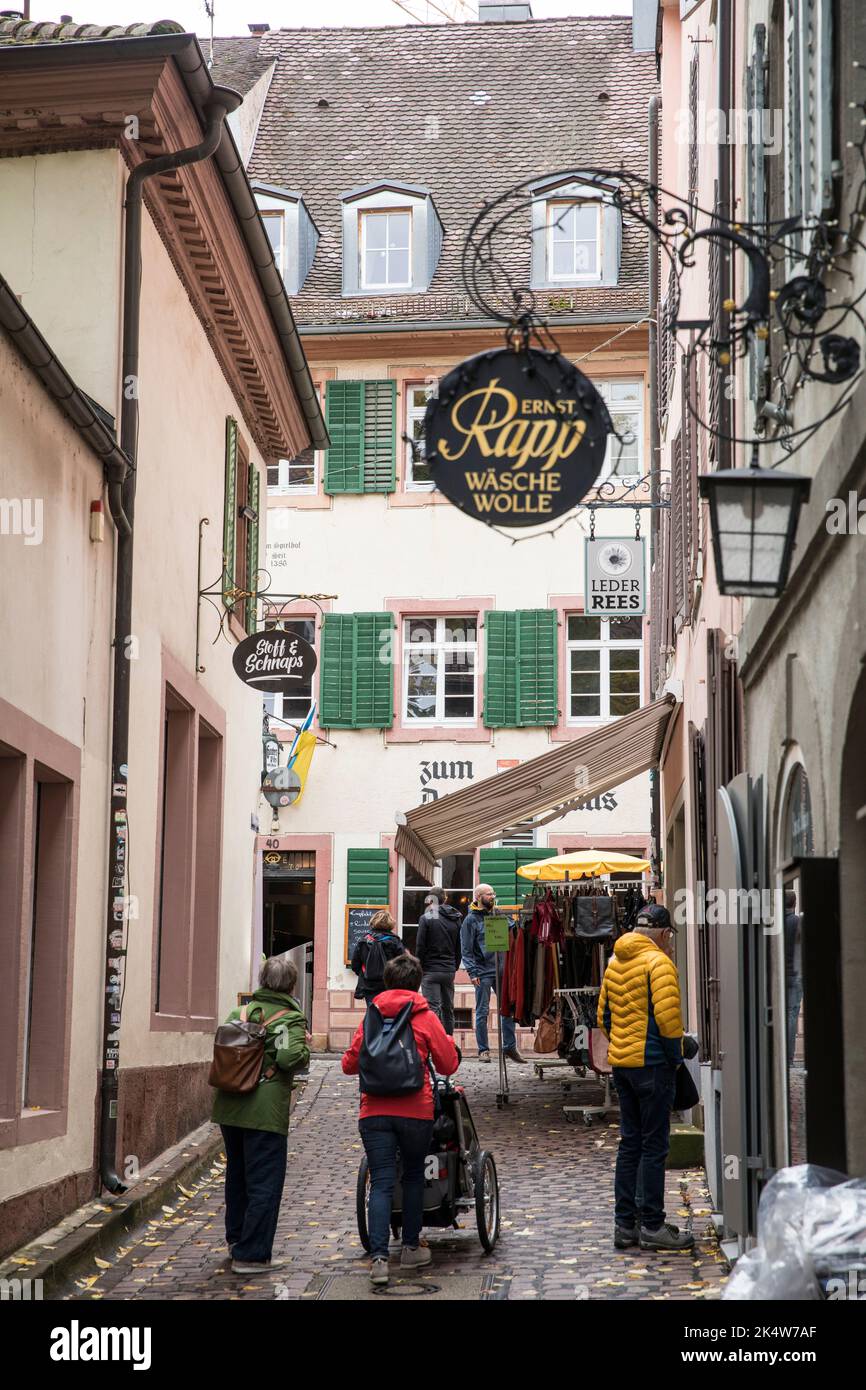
point(255, 1126)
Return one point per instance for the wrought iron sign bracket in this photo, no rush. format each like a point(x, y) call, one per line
point(224, 597)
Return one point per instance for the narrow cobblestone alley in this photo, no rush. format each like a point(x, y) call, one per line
point(557, 1197)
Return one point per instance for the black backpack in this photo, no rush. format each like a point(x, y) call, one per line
point(389, 1064)
point(374, 965)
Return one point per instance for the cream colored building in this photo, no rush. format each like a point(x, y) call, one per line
point(219, 388)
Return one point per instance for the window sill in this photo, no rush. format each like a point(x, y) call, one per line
point(384, 291)
point(32, 1126)
point(181, 1023)
point(439, 733)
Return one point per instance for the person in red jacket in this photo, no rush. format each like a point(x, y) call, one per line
point(404, 1124)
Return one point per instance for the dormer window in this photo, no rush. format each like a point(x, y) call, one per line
point(291, 231)
point(386, 249)
point(576, 235)
point(392, 238)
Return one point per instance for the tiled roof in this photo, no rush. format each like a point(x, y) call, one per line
point(237, 62)
point(467, 110)
point(47, 31)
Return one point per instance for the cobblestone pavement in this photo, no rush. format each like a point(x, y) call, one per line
point(556, 1184)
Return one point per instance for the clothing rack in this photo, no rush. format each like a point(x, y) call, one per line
point(558, 950)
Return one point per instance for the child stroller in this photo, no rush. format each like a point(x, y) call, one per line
point(459, 1176)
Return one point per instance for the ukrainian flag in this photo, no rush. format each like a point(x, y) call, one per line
point(301, 752)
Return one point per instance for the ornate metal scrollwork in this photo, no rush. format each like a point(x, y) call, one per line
point(815, 331)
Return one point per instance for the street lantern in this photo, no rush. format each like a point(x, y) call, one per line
point(753, 516)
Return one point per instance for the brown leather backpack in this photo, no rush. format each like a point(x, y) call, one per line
point(238, 1053)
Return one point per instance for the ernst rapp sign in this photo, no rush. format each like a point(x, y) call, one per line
point(516, 438)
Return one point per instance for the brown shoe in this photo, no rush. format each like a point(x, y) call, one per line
point(514, 1056)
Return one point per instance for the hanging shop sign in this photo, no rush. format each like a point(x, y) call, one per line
point(276, 662)
point(516, 437)
point(615, 577)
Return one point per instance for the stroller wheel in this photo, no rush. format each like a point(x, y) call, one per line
point(362, 1198)
point(486, 1200)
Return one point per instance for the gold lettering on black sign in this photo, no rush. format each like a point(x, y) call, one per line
point(490, 419)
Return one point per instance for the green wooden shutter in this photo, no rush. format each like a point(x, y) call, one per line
point(251, 604)
point(356, 686)
point(380, 436)
point(520, 679)
point(536, 665)
point(529, 854)
point(230, 515)
point(368, 876)
point(498, 867)
point(336, 670)
point(500, 685)
point(362, 422)
point(374, 671)
point(344, 416)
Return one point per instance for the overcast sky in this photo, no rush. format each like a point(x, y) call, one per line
point(233, 16)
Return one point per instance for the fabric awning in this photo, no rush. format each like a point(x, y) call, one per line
point(585, 767)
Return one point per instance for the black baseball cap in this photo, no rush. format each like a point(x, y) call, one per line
point(656, 917)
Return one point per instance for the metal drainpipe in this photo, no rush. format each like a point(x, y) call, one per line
point(724, 31)
point(655, 443)
point(122, 505)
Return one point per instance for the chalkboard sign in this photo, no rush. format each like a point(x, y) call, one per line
point(358, 918)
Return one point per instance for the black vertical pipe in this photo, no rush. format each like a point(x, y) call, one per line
point(724, 30)
point(122, 503)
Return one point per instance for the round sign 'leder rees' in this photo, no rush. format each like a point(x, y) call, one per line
point(516, 438)
point(275, 661)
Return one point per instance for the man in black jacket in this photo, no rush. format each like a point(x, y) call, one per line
point(438, 949)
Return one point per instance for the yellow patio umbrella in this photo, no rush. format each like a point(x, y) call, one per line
point(583, 863)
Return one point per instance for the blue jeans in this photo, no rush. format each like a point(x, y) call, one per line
point(482, 1009)
point(646, 1095)
point(255, 1173)
point(382, 1137)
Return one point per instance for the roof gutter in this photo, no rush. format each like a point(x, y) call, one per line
point(200, 85)
point(185, 51)
point(58, 383)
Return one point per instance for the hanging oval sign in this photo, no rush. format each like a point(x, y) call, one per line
point(275, 661)
point(516, 438)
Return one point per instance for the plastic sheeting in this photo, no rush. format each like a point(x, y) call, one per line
point(811, 1239)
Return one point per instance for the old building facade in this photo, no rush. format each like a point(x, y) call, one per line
point(762, 780)
point(371, 246)
point(164, 934)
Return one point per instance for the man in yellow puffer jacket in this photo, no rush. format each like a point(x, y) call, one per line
point(639, 1010)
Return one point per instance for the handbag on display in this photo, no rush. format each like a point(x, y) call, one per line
point(593, 917)
point(547, 1032)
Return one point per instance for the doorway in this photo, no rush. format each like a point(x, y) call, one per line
point(288, 915)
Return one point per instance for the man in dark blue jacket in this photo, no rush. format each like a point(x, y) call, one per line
point(480, 966)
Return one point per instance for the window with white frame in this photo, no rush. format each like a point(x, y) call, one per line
point(417, 475)
point(274, 220)
point(455, 875)
point(293, 708)
point(624, 456)
point(297, 475)
point(604, 667)
point(440, 670)
point(386, 248)
point(573, 241)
